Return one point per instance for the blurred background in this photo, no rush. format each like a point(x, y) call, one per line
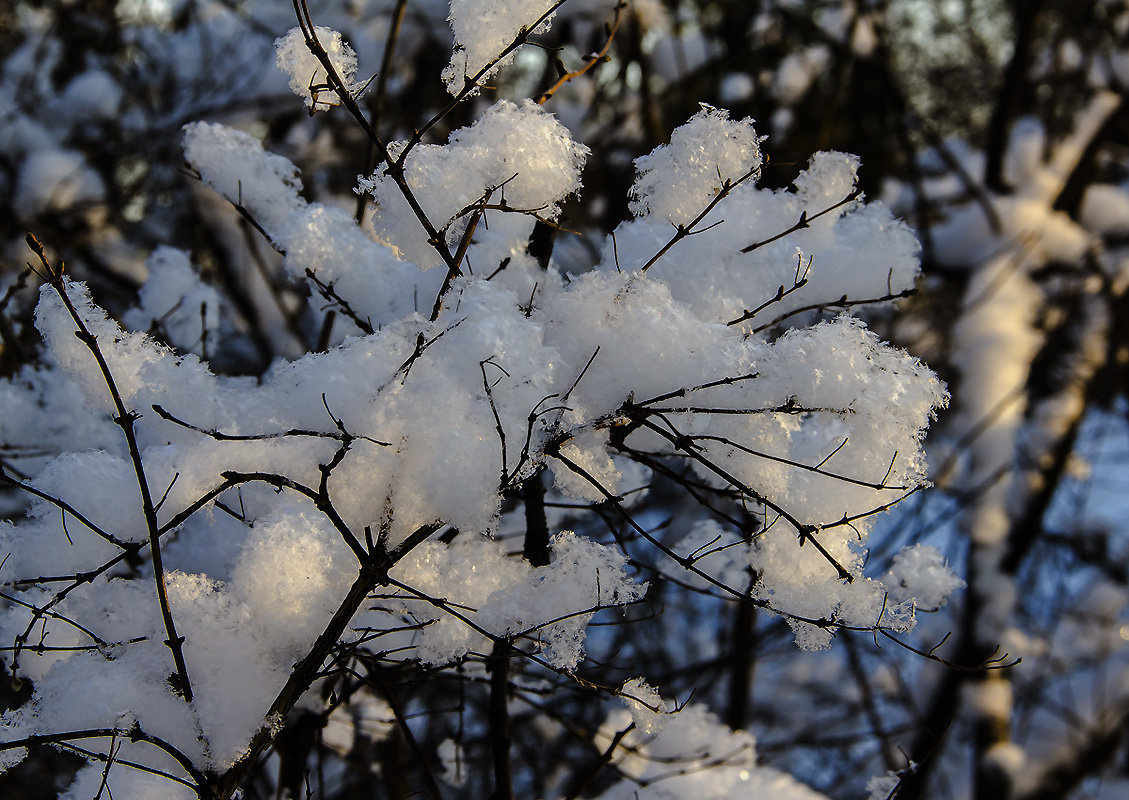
point(998, 129)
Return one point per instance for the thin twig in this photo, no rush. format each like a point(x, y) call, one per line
point(803, 222)
point(682, 231)
point(593, 59)
point(126, 420)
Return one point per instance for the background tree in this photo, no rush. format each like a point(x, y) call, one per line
point(997, 130)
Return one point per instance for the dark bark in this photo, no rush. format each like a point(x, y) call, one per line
point(742, 664)
point(1015, 96)
point(499, 668)
point(536, 548)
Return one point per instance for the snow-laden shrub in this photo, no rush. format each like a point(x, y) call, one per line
point(200, 564)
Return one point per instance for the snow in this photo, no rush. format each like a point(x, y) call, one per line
point(133, 784)
point(234, 164)
point(649, 711)
point(54, 179)
point(797, 71)
point(483, 28)
point(834, 254)
point(1024, 154)
point(516, 153)
point(453, 760)
point(920, 572)
point(1105, 209)
point(411, 422)
point(1009, 758)
point(308, 77)
point(92, 95)
point(737, 87)
point(881, 787)
point(864, 37)
point(175, 303)
point(694, 755)
point(678, 180)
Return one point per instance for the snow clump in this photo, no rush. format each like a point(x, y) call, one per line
point(308, 77)
point(484, 28)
